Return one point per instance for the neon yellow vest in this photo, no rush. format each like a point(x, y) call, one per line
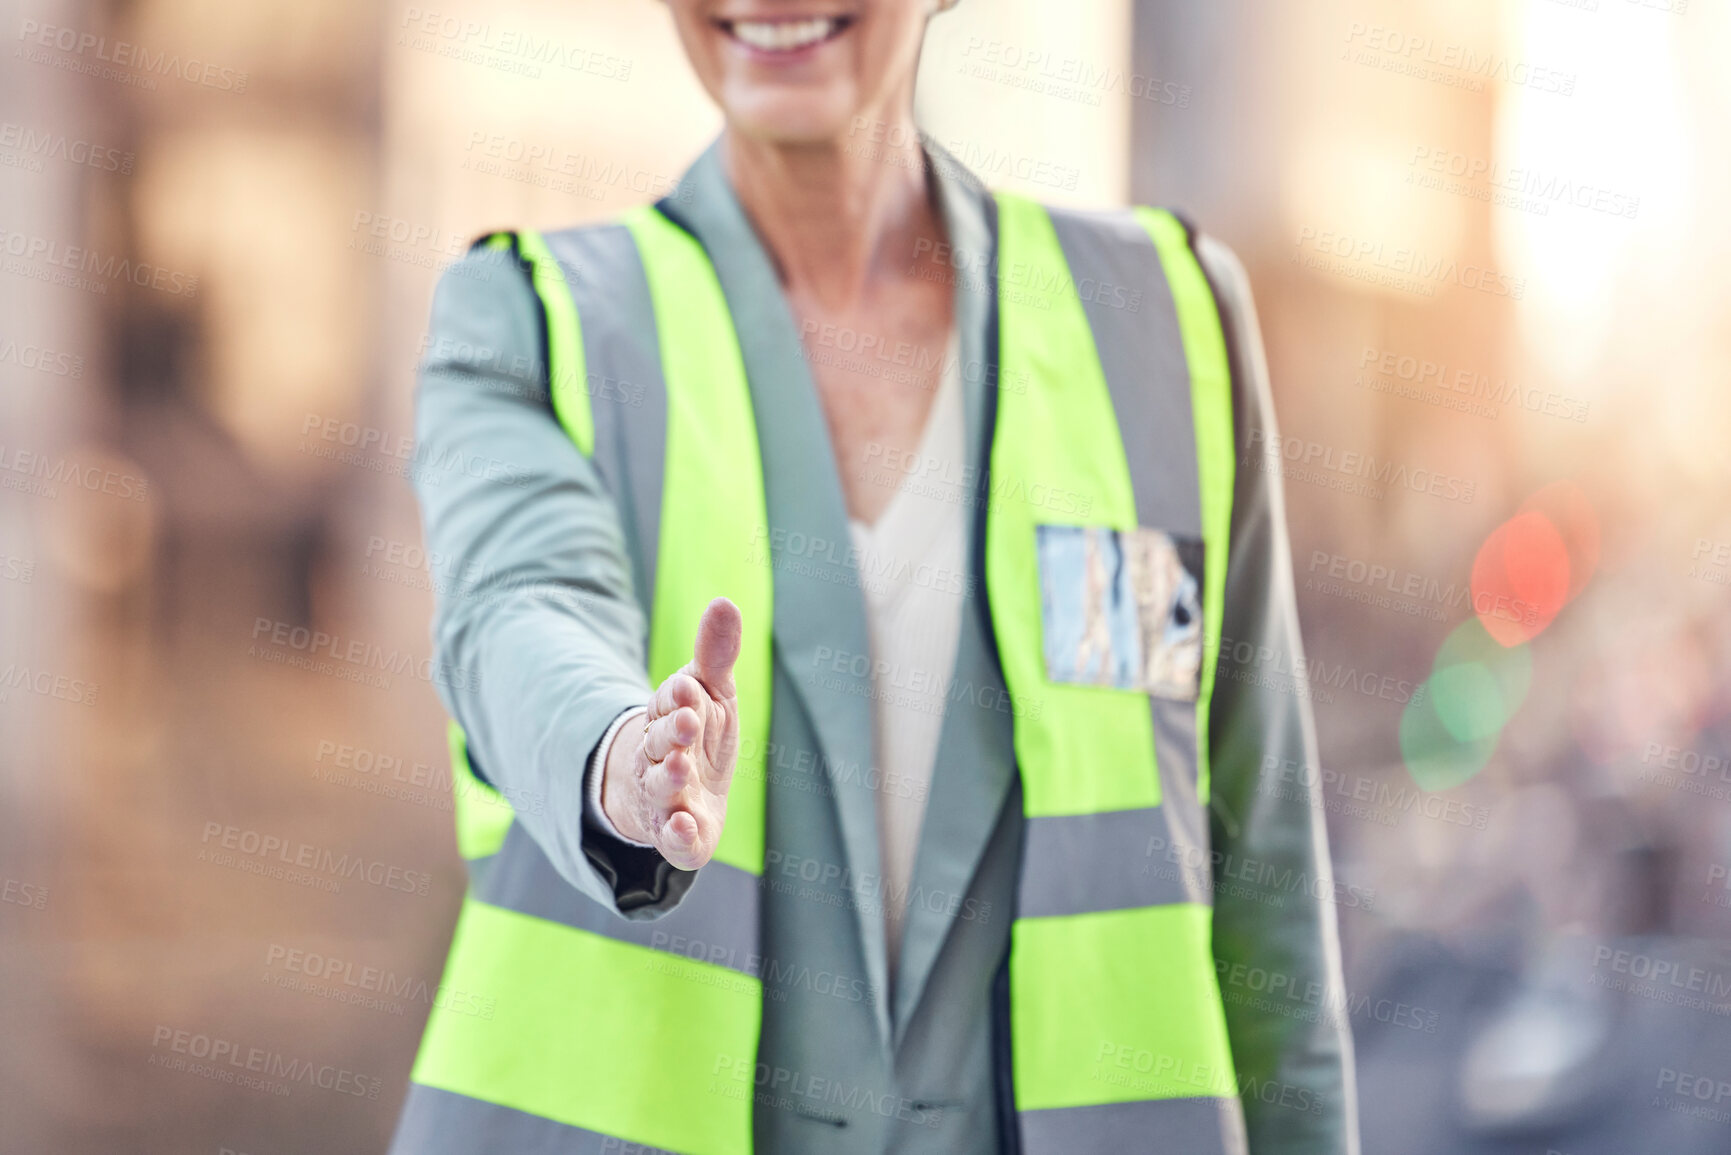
point(619, 1039)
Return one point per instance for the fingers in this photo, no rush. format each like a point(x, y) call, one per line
point(680, 689)
point(680, 842)
point(674, 798)
point(680, 730)
point(670, 788)
point(672, 784)
point(719, 632)
point(678, 835)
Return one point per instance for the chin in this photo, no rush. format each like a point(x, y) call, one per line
point(791, 118)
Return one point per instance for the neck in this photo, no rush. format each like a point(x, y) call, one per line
point(838, 215)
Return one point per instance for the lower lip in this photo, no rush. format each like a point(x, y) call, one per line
point(784, 56)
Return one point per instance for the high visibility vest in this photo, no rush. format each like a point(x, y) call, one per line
point(1116, 1024)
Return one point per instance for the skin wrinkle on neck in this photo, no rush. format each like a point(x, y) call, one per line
point(842, 227)
point(834, 224)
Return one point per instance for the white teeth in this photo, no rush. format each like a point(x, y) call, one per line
point(783, 35)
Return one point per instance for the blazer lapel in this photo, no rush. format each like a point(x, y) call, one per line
point(976, 757)
point(820, 631)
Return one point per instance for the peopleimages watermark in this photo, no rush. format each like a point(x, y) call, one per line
point(1072, 78)
point(27, 148)
point(1455, 65)
point(41, 258)
point(406, 564)
point(899, 145)
point(351, 443)
point(869, 892)
point(1159, 1075)
point(778, 979)
point(1665, 980)
point(837, 563)
point(390, 776)
point(1031, 283)
point(998, 164)
point(369, 987)
point(303, 863)
point(1271, 666)
point(1690, 1092)
point(613, 1145)
point(503, 49)
point(1711, 561)
point(1464, 390)
point(1402, 268)
point(1670, 7)
point(549, 164)
point(921, 690)
point(1361, 796)
point(40, 358)
point(412, 243)
point(41, 475)
point(873, 355)
point(259, 1068)
point(17, 676)
point(803, 769)
point(1405, 592)
point(1312, 1000)
point(94, 55)
point(1251, 878)
point(1524, 189)
point(1686, 770)
point(1718, 892)
point(490, 370)
point(789, 1089)
point(355, 660)
point(1350, 470)
point(943, 478)
point(26, 894)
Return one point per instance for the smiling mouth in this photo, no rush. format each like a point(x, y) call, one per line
point(785, 36)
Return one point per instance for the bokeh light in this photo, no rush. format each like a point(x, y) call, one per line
point(1520, 578)
point(1567, 508)
point(1450, 728)
point(1528, 569)
point(1534, 563)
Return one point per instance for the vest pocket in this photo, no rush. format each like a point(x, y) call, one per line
point(1121, 609)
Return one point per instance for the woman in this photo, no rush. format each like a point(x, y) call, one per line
point(845, 764)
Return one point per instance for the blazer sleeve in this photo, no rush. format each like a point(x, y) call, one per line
point(533, 588)
point(1274, 916)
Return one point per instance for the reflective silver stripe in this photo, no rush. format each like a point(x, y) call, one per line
point(1130, 312)
point(627, 393)
point(1205, 1126)
point(1129, 307)
point(628, 402)
point(716, 922)
point(478, 869)
point(1078, 863)
point(1186, 819)
point(436, 1122)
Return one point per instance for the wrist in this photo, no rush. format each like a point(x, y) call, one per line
point(594, 775)
point(616, 774)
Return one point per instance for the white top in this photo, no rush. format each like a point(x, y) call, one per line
point(913, 572)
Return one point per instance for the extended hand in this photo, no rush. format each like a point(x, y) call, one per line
point(667, 774)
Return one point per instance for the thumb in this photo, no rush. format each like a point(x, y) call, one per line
point(717, 647)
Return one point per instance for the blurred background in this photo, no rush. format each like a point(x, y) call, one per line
point(1489, 247)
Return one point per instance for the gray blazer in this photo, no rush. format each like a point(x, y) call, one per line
point(539, 601)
